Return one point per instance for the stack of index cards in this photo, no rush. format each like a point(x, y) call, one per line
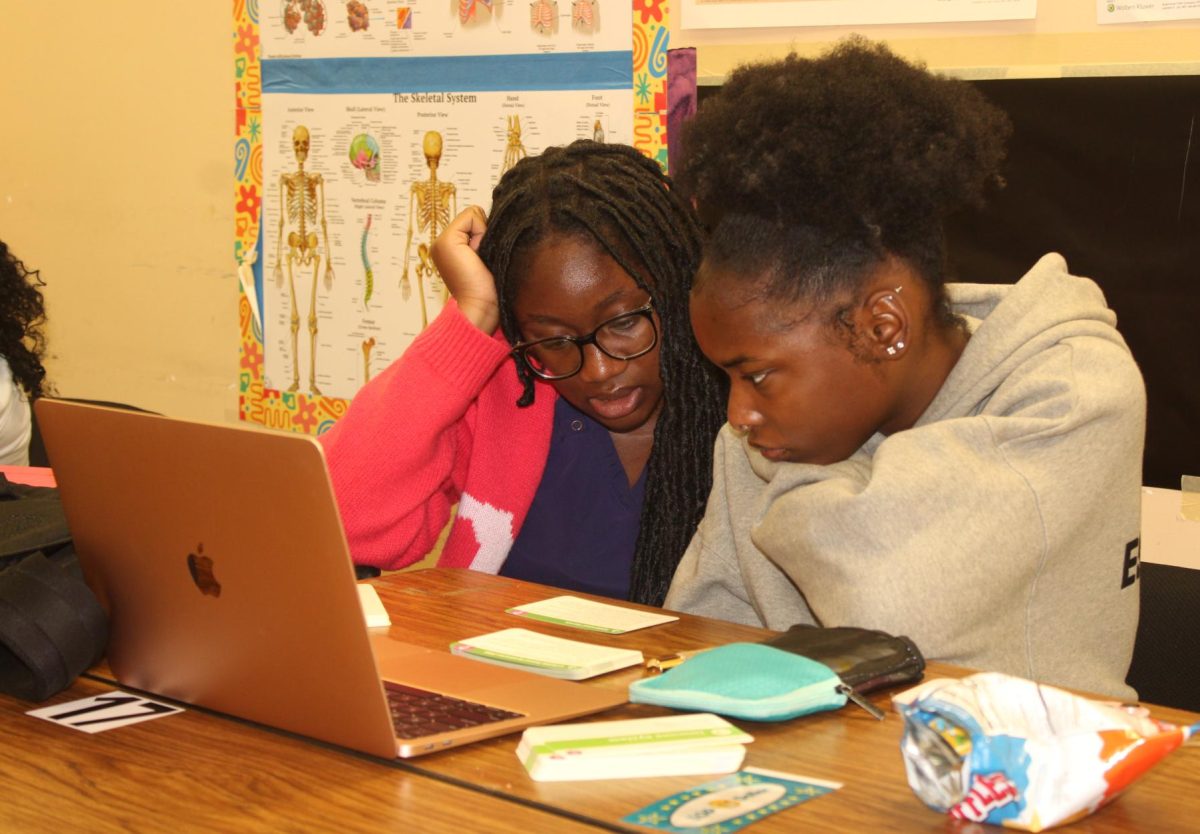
point(675, 745)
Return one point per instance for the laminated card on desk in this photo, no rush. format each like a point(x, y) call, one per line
point(372, 606)
point(589, 615)
point(731, 802)
point(519, 648)
point(676, 745)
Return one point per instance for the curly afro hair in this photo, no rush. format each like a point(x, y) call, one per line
point(808, 172)
point(22, 343)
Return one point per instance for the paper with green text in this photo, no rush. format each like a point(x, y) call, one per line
point(556, 657)
point(589, 615)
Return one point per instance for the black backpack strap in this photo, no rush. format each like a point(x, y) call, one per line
point(52, 628)
point(31, 519)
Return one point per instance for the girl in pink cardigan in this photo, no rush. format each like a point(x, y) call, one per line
point(559, 400)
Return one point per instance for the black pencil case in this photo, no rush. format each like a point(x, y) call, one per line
point(865, 659)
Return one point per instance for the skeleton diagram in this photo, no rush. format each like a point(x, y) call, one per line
point(432, 204)
point(514, 151)
point(301, 198)
point(367, 346)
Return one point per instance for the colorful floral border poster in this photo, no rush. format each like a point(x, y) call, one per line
point(363, 125)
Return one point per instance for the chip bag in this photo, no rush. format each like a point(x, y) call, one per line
point(1004, 750)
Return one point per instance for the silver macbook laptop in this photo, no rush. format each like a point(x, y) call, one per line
point(219, 554)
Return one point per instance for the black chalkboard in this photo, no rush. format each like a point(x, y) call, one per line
point(1106, 171)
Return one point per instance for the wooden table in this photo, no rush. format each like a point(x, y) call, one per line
point(199, 772)
point(283, 783)
point(435, 607)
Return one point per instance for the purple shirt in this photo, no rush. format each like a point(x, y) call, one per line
point(583, 523)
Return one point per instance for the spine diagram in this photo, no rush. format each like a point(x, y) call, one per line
point(369, 285)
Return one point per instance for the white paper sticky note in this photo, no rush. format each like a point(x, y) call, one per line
point(372, 606)
point(104, 712)
point(589, 615)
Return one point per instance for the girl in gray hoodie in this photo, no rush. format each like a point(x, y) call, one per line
point(960, 463)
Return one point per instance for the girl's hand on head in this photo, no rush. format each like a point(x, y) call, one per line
point(467, 279)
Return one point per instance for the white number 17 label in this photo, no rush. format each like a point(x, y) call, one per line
point(104, 712)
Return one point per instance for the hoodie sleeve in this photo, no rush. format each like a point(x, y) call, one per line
point(709, 580)
point(399, 455)
point(937, 538)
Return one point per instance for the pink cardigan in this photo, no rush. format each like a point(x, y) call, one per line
point(440, 426)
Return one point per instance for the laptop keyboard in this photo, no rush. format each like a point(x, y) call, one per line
point(417, 712)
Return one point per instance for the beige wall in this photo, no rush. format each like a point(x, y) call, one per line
point(116, 178)
point(1064, 39)
point(116, 168)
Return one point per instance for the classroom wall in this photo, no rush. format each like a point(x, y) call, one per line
point(116, 176)
point(1064, 39)
point(116, 168)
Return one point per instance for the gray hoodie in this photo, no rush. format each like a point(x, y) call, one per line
point(1000, 532)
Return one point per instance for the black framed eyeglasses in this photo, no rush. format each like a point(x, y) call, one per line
point(626, 336)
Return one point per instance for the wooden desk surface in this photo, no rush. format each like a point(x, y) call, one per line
point(213, 771)
point(198, 772)
point(435, 607)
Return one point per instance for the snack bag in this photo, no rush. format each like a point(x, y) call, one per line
point(1003, 750)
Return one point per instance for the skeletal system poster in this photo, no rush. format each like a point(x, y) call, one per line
point(380, 122)
point(326, 28)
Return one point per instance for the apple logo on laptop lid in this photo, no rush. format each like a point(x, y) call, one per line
point(201, 569)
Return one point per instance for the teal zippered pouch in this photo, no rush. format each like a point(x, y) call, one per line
point(745, 680)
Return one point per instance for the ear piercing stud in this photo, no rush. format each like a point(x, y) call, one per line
point(892, 350)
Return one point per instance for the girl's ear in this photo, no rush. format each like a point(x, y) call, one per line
point(887, 316)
